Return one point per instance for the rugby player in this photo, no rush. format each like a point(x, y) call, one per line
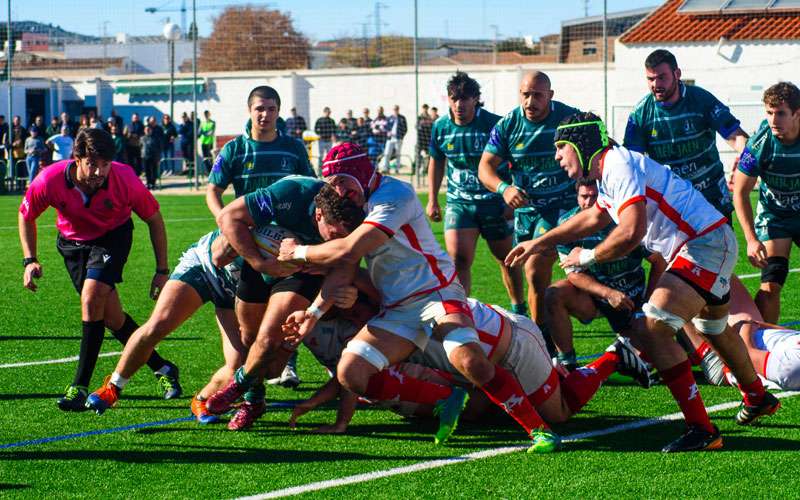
point(255, 159)
point(472, 210)
point(615, 289)
point(654, 207)
point(418, 285)
point(540, 192)
point(509, 340)
point(94, 197)
point(313, 211)
point(676, 125)
point(773, 155)
point(195, 281)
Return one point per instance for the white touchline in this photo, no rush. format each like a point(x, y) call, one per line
point(433, 464)
point(55, 361)
point(756, 275)
point(188, 219)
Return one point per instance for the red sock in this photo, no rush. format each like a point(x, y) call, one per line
point(582, 384)
point(753, 392)
point(504, 391)
point(391, 384)
point(681, 383)
point(697, 356)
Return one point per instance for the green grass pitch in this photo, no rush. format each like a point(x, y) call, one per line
point(186, 460)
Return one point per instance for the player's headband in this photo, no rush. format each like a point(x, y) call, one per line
point(589, 139)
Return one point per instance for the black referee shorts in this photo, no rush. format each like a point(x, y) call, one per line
point(101, 259)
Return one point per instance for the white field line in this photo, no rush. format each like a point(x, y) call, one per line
point(756, 275)
point(187, 219)
point(55, 361)
point(433, 464)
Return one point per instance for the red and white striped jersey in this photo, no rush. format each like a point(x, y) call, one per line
point(676, 211)
point(411, 263)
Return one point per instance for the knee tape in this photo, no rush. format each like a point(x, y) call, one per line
point(671, 320)
point(710, 326)
point(372, 355)
point(458, 337)
point(775, 271)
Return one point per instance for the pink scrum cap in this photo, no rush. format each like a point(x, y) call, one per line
point(350, 160)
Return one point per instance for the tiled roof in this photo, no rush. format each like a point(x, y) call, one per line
point(665, 24)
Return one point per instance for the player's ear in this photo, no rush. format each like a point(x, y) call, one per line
point(678, 73)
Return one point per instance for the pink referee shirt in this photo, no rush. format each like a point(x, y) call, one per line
point(84, 218)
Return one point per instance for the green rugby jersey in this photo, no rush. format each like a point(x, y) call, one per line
point(289, 203)
point(529, 147)
point(462, 147)
point(625, 274)
point(251, 165)
point(683, 136)
point(778, 165)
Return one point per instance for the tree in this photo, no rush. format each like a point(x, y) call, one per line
point(253, 38)
point(383, 51)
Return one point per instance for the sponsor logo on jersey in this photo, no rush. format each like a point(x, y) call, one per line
point(248, 165)
point(520, 145)
point(654, 133)
point(688, 127)
point(218, 164)
point(285, 165)
point(450, 146)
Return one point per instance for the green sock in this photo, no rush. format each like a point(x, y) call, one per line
point(521, 309)
point(242, 378)
point(256, 393)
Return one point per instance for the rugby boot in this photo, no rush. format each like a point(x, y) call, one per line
point(749, 414)
point(247, 414)
point(449, 410)
point(74, 398)
point(103, 398)
point(695, 439)
point(630, 363)
point(222, 400)
point(168, 384)
point(201, 413)
point(544, 441)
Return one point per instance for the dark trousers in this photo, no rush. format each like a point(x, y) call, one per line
point(151, 170)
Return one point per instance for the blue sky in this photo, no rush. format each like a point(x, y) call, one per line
point(320, 20)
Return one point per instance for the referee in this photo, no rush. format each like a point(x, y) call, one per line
point(93, 198)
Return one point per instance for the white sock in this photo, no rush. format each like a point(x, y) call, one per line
point(118, 380)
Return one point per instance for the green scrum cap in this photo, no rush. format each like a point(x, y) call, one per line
point(586, 133)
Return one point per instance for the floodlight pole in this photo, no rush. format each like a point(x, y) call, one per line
point(605, 60)
point(416, 59)
point(171, 78)
point(194, 31)
point(9, 41)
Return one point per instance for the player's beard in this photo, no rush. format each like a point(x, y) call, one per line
point(668, 94)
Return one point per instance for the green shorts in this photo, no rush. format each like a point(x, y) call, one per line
point(210, 288)
point(770, 226)
point(529, 225)
point(488, 218)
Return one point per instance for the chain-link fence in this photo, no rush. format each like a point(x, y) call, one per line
point(194, 61)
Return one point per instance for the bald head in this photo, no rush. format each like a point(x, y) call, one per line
point(535, 95)
point(532, 78)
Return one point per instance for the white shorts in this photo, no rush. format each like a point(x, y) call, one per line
point(782, 365)
point(408, 320)
point(527, 358)
point(708, 260)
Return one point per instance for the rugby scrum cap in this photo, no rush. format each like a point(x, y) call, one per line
point(350, 160)
point(586, 133)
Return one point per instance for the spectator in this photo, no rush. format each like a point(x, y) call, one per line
point(434, 114)
point(18, 136)
point(83, 123)
point(151, 154)
point(119, 142)
point(109, 123)
point(168, 145)
point(351, 122)
point(61, 144)
point(117, 119)
point(186, 139)
point(396, 128)
point(4, 137)
point(38, 124)
point(95, 123)
point(424, 125)
point(66, 121)
point(137, 127)
point(53, 129)
point(325, 128)
point(207, 132)
point(366, 117)
point(342, 131)
point(378, 138)
point(133, 146)
point(362, 132)
point(34, 150)
point(296, 125)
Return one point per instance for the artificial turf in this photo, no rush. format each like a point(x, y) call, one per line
point(186, 460)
